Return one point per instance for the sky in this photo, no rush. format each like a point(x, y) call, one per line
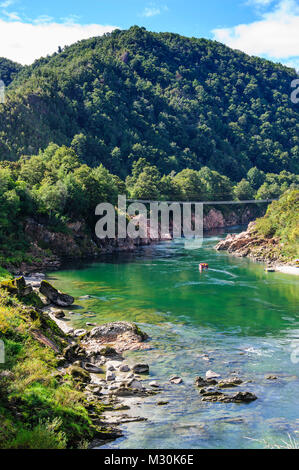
point(30, 29)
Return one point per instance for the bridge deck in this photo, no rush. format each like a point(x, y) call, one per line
point(253, 201)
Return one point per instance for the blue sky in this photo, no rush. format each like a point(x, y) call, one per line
point(268, 28)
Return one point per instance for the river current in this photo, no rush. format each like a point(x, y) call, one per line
point(233, 318)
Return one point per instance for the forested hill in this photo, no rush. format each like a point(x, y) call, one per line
point(8, 70)
point(178, 102)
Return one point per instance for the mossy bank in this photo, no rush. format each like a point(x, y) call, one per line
point(41, 404)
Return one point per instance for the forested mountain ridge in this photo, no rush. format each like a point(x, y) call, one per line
point(177, 102)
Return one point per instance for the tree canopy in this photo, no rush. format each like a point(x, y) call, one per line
point(177, 102)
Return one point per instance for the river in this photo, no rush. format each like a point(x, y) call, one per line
point(233, 318)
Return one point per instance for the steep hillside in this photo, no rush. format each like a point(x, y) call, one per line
point(181, 102)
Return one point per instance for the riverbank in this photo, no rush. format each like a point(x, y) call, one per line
point(252, 244)
point(49, 249)
point(286, 269)
point(56, 384)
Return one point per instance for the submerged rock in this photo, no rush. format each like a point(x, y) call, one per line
point(56, 297)
point(240, 397)
point(200, 382)
point(161, 403)
point(232, 382)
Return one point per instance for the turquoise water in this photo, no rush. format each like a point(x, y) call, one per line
point(234, 318)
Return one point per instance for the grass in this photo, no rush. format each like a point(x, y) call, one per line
point(40, 407)
point(4, 275)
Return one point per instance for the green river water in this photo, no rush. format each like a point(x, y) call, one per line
point(233, 318)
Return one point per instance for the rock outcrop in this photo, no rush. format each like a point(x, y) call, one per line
point(56, 297)
point(122, 336)
point(250, 243)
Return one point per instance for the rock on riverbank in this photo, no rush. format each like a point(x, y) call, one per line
point(251, 244)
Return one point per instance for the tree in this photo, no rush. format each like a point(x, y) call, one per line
point(32, 171)
point(189, 184)
point(216, 186)
point(243, 190)
point(147, 184)
point(268, 191)
point(256, 177)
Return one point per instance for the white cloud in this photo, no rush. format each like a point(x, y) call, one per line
point(151, 11)
point(7, 3)
point(262, 3)
point(25, 42)
point(11, 15)
point(275, 35)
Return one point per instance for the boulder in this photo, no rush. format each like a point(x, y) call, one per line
point(232, 382)
point(211, 375)
point(154, 384)
point(59, 314)
point(124, 368)
point(141, 368)
point(200, 382)
point(91, 368)
point(176, 380)
point(56, 297)
point(245, 397)
point(79, 332)
point(110, 376)
point(73, 352)
point(121, 335)
point(240, 397)
point(78, 373)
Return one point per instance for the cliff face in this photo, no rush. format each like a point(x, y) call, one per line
point(271, 238)
point(215, 218)
point(253, 245)
point(48, 248)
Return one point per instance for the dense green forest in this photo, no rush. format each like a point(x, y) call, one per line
point(8, 70)
point(177, 102)
point(144, 114)
point(55, 187)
